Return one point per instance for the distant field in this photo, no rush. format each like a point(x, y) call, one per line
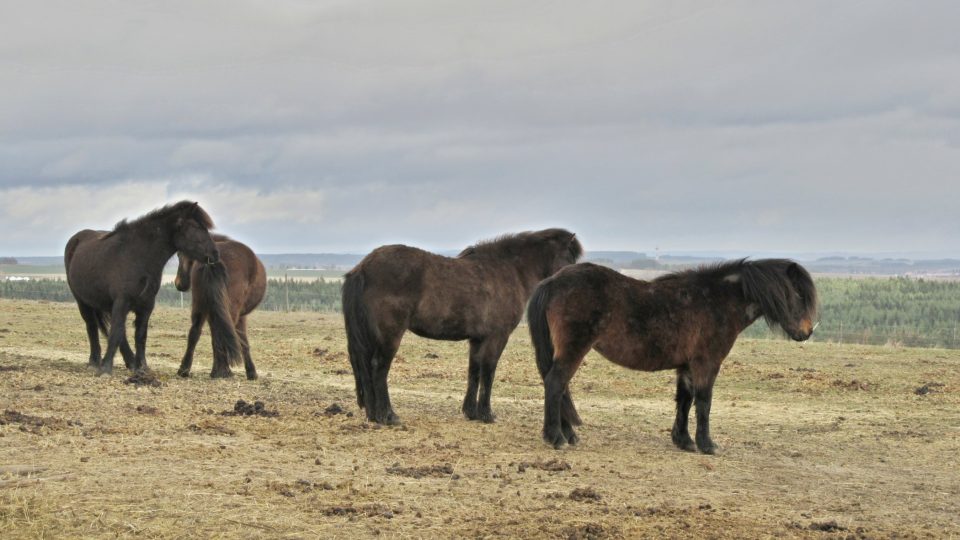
point(852, 440)
point(57, 272)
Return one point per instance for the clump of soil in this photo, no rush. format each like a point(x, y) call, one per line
point(589, 531)
point(927, 388)
point(144, 378)
point(327, 354)
point(206, 427)
point(147, 409)
point(369, 510)
point(553, 465)
point(586, 494)
point(432, 356)
point(257, 408)
point(334, 410)
point(853, 385)
point(826, 526)
point(11, 368)
point(33, 424)
point(435, 471)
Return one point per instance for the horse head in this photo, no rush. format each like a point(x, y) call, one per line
point(191, 235)
point(785, 294)
point(184, 266)
point(567, 249)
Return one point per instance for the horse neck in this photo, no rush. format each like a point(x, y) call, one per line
point(156, 246)
point(738, 308)
point(529, 269)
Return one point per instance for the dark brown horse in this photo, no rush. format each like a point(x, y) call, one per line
point(686, 321)
point(246, 286)
point(478, 296)
point(114, 273)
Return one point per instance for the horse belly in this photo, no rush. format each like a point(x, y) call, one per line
point(641, 356)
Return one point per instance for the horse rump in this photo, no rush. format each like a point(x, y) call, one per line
point(361, 344)
point(210, 292)
point(543, 345)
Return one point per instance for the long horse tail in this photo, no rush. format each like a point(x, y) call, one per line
point(543, 344)
point(361, 341)
point(210, 292)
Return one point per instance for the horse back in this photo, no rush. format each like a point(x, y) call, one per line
point(246, 276)
point(441, 297)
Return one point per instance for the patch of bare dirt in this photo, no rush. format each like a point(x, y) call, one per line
point(144, 378)
point(587, 494)
point(551, 465)
point(435, 471)
point(34, 424)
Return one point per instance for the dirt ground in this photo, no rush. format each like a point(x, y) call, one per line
point(817, 440)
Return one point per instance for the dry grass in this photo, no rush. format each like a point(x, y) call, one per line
point(813, 436)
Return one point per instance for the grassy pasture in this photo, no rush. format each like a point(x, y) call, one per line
point(817, 440)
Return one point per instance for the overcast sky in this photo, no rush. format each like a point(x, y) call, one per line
point(337, 126)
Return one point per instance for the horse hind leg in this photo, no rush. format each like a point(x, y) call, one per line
point(555, 384)
point(680, 434)
point(197, 319)
point(569, 418)
point(382, 409)
point(93, 333)
point(245, 348)
point(488, 356)
point(118, 329)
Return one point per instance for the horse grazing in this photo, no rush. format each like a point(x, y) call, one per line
point(686, 321)
point(478, 296)
point(246, 286)
point(113, 273)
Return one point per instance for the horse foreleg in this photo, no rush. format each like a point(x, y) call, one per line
point(469, 407)
point(489, 355)
point(118, 328)
point(141, 322)
point(702, 398)
point(129, 357)
point(680, 434)
point(703, 379)
point(245, 348)
point(93, 333)
point(196, 328)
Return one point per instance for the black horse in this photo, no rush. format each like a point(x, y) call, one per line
point(478, 296)
point(686, 321)
point(113, 273)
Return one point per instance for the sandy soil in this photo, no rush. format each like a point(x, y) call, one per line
point(817, 440)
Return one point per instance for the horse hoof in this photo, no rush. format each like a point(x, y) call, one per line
point(221, 375)
point(101, 372)
point(710, 449)
point(573, 439)
point(252, 376)
point(470, 412)
point(487, 417)
point(685, 444)
point(556, 441)
point(183, 373)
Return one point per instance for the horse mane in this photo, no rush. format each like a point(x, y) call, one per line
point(180, 209)
point(518, 243)
point(775, 285)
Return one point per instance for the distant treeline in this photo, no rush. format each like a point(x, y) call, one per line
point(282, 295)
point(898, 311)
